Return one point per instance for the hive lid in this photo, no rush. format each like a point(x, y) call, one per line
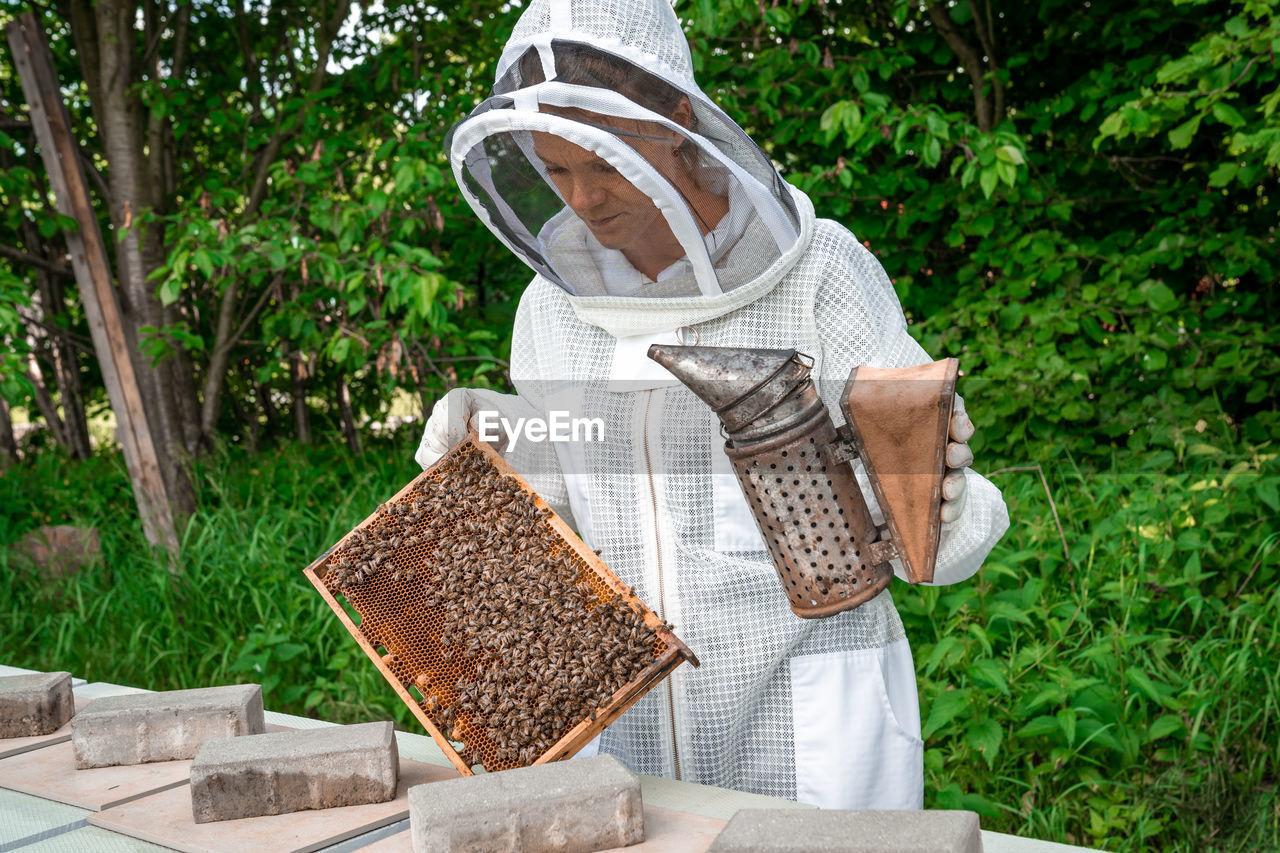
point(899, 419)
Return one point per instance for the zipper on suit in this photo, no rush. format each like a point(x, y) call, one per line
point(662, 596)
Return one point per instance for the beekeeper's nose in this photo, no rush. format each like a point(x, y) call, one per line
point(586, 192)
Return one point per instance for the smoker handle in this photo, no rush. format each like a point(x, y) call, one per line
point(883, 550)
point(842, 449)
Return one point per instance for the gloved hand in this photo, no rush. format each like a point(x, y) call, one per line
point(451, 418)
point(959, 457)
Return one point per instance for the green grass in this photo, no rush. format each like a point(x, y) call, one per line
point(239, 610)
point(1124, 697)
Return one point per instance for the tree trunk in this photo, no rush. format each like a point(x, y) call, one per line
point(167, 392)
point(160, 140)
point(8, 445)
point(989, 112)
point(62, 158)
point(224, 340)
point(245, 416)
point(347, 416)
point(66, 370)
point(325, 34)
point(301, 416)
point(53, 304)
point(181, 379)
point(268, 406)
point(178, 371)
point(44, 402)
point(215, 374)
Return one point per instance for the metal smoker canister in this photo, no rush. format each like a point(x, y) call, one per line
point(809, 507)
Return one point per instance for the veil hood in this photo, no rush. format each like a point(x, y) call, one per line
point(609, 76)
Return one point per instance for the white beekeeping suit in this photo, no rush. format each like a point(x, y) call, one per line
point(823, 711)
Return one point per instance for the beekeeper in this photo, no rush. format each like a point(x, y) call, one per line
point(650, 217)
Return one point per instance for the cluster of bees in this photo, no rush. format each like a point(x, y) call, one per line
point(526, 648)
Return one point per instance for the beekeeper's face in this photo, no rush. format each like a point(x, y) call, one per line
point(619, 215)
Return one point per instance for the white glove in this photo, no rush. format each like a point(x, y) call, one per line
point(452, 417)
point(959, 457)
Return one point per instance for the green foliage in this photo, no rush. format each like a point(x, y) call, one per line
point(1210, 84)
point(321, 220)
point(1104, 288)
point(1127, 694)
point(14, 385)
point(14, 292)
point(1105, 272)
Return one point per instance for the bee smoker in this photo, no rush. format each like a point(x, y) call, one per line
point(793, 465)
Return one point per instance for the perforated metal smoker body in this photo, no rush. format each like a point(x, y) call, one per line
point(402, 635)
point(805, 500)
point(811, 513)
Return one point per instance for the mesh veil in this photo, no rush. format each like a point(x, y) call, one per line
point(623, 112)
point(647, 32)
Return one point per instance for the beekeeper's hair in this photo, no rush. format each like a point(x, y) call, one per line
point(583, 65)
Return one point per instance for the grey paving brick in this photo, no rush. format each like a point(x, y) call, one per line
point(142, 727)
point(286, 772)
point(566, 806)
point(835, 831)
point(36, 704)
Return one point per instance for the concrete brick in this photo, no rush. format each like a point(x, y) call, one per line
point(566, 806)
point(37, 704)
point(143, 727)
point(293, 771)
point(836, 831)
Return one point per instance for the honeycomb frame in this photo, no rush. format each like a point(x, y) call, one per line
point(402, 646)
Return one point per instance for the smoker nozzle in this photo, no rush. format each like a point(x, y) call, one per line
point(753, 391)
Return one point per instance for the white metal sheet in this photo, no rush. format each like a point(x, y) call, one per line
point(98, 689)
point(17, 670)
point(51, 773)
point(90, 839)
point(26, 818)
